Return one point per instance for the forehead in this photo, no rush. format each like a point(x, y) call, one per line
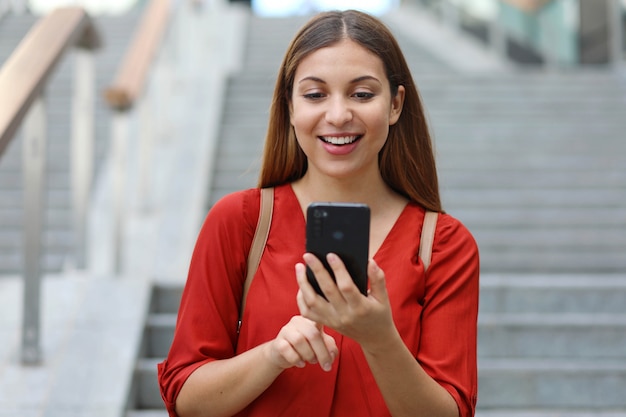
point(346, 57)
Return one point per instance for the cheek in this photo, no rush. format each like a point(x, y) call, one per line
point(379, 119)
point(301, 128)
point(302, 119)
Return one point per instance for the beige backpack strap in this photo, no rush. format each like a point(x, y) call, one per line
point(427, 238)
point(258, 242)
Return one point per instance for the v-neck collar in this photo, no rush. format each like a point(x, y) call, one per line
point(396, 225)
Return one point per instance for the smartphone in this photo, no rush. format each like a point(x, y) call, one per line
point(343, 229)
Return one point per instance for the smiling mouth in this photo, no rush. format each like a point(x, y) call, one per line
point(340, 140)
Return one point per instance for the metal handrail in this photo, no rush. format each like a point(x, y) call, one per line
point(132, 74)
point(23, 79)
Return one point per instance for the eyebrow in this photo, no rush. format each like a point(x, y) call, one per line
point(354, 81)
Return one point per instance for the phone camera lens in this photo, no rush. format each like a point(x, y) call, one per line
point(338, 235)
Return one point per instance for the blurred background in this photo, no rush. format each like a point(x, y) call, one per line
point(123, 122)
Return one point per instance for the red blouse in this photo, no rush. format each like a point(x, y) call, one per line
point(435, 313)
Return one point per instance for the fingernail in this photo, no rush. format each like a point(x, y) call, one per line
point(327, 367)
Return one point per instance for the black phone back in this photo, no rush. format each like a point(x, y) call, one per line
point(343, 229)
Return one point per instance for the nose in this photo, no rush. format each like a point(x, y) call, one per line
point(338, 112)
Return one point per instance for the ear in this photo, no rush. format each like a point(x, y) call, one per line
point(396, 106)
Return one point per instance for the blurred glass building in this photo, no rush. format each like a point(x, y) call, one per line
point(556, 32)
point(297, 7)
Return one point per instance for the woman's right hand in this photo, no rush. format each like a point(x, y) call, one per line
point(302, 341)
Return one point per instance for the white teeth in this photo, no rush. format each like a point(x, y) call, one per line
point(339, 140)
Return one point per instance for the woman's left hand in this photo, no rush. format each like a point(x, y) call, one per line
point(367, 320)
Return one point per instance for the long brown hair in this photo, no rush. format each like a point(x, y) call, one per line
point(407, 163)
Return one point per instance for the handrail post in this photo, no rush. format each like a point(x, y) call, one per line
point(451, 15)
point(20, 6)
point(82, 149)
point(615, 20)
point(124, 96)
point(17, 6)
point(34, 164)
point(120, 127)
point(498, 39)
point(4, 7)
point(23, 78)
point(146, 144)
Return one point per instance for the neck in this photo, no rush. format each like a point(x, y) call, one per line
point(372, 191)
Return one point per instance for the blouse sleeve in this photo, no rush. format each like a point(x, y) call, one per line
point(449, 317)
point(209, 309)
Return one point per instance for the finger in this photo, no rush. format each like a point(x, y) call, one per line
point(301, 342)
point(286, 355)
point(325, 349)
point(303, 283)
point(293, 341)
point(305, 286)
point(376, 276)
point(322, 276)
point(303, 305)
point(306, 296)
point(345, 284)
point(311, 306)
point(331, 345)
point(312, 344)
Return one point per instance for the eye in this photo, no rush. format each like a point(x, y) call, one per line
point(363, 95)
point(313, 96)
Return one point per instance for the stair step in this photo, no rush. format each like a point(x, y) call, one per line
point(505, 197)
point(144, 397)
point(54, 219)
point(545, 217)
point(543, 293)
point(520, 178)
point(552, 384)
point(542, 335)
point(147, 413)
point(166, 297)
point(147, 395)
point(159, 333)
point(579, 237)
point(548, 259)
point(548, 413)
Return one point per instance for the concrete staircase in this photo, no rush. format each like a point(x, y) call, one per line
point(58, 240)
point(552, 345)
point(144, 399)
point(534, 163)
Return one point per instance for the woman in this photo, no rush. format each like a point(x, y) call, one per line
point(346, 125)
